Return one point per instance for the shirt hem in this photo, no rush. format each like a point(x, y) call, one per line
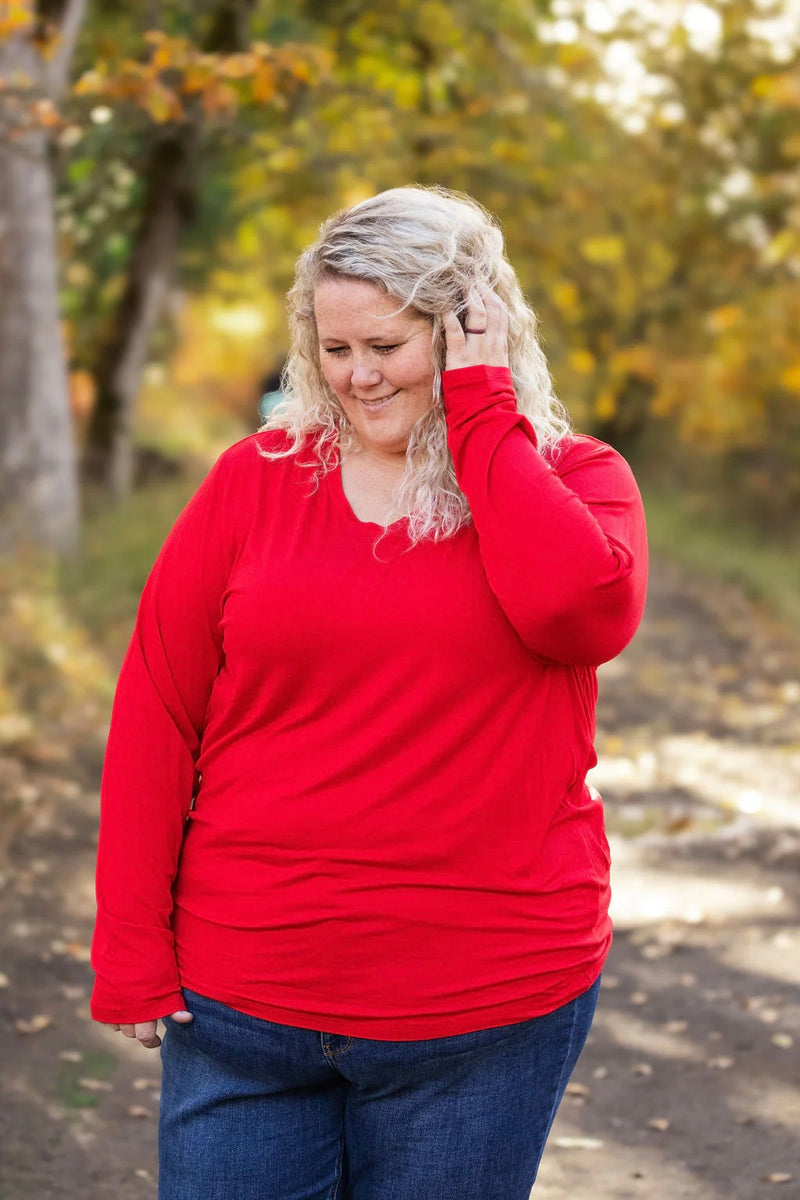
point(414, 1028)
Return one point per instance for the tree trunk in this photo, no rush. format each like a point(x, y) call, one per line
point(170, 199)
point(167, 207)
point(38, 474)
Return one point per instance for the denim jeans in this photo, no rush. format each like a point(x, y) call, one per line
point(253, 1110)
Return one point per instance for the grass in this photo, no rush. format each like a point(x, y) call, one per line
point(94, 1064)
point(64, 627)
point(101, 587)
point(768, 572)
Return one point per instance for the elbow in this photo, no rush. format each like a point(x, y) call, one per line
point(592, 630)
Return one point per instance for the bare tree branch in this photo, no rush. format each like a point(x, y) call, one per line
point(56, 72)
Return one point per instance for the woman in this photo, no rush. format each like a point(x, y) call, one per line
point(347, 847)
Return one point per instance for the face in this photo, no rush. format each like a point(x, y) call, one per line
point(379, 365)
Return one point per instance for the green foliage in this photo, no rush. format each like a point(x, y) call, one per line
point(96, 1066)
point(658, 236)
point(723, 549)
point(101, 587)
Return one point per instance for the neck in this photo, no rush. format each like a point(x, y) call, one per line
point(390, 464)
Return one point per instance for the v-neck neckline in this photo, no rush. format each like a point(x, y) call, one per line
point(346, 506)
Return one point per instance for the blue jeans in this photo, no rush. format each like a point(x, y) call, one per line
point(253, 1110)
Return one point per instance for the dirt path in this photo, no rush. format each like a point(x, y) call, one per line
point(690, 1085)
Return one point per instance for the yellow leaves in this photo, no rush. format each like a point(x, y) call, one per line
point(638, 359)
point(356, 191)
point(16, 17)
point(515, 104)
point(407, 91)
point(39, 625)
point(285, 160)
point(248, 239)
point(509, 150)
point(605, 404)
point(29, 112)
point(659, 263)
point(566, 298)
point(763, 85)
point(237, 66)
point(780, 247)
point(197, 76)
point(791, 146)
point(264, 82)
point(603, 250)
point(82, 393)
point(168, 52)
point(728, 316)
point(572, 55)
point(161, 102)
point(176, 68)
point(582, 361)
point(790, 378)
point(219, 98)
point(45, 114)
point(91, 83)
point(620, 364)
point(782, 90)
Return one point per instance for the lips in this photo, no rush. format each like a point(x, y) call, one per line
point(376, 403)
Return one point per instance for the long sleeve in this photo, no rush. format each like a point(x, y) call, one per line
point(563, 546)
point(149, 770)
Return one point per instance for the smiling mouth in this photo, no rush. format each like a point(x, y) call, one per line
point(374, 405)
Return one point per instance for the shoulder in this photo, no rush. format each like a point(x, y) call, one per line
point(581, 456)
point(577, 449)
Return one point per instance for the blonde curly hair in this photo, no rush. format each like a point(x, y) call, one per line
point(428, 247)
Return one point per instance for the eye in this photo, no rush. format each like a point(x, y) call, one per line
point(335, 350)
point(386, 349)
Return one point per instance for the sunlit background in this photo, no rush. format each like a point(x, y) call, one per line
point(162, 164)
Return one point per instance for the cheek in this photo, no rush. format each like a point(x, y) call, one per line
point(333, 373)
point(416, 375)
point(422, 379)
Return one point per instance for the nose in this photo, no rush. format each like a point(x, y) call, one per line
point(365, 374)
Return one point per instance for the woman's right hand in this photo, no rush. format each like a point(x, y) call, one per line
point(146, 1031)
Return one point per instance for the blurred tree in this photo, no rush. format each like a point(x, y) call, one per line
point(189, 88)
point(38, 487)
point(644, 162)
point(690, 339)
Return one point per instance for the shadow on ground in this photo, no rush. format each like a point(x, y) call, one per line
point(690, 1084)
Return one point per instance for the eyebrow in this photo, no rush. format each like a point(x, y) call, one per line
point(377, 337)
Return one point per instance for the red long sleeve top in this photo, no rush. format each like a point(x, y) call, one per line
point(391, 835)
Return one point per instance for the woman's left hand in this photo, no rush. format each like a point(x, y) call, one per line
point(484, 341)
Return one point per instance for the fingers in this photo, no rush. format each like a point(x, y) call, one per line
point(476, 319)
point(182, 1016)
point(144, 1032)
point(484, 337)
point(451, 323)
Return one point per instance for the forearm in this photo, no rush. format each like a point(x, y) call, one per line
point(146, 791)
point(149, 772)
point(566, 558)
